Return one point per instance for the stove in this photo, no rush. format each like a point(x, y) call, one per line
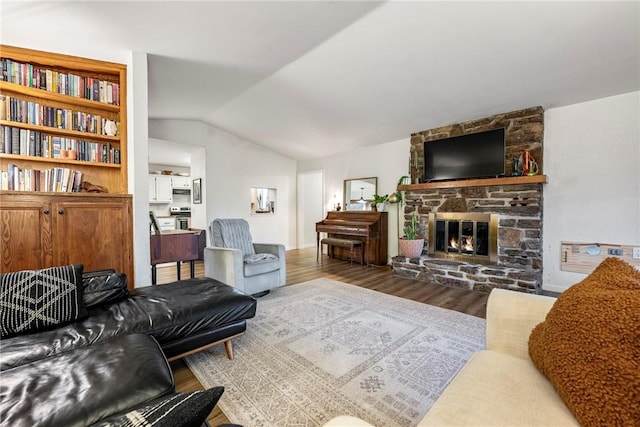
point(182, 215)
point(180, 211)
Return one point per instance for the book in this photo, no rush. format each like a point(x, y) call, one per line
point(10, 176)
point(77, 181)
point(15, 141)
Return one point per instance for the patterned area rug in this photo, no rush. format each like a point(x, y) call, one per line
point(325, 348)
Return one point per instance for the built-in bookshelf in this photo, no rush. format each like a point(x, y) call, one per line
point(63, 163)
point(60, 112)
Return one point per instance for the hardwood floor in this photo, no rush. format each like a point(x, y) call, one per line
point(302, 266)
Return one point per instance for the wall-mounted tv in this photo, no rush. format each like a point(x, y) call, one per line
point(476, 155)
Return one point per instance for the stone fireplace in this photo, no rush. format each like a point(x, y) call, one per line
point(480, 234)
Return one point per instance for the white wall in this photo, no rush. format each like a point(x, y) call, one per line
point(137, 136)
point(592, 159)
point(233, 166)
point(387, 161)
point(310, 207)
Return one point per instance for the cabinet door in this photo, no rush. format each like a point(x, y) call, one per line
point(160, 190)
point(97, 234)
point(152, 189)
point(25, 233)
point(181, 182)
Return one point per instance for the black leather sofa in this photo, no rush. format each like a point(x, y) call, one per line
point(116, 358)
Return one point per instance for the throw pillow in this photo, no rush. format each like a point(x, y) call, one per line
point(33, 300)
point(180, 410)
point(589, 346)
point(103, 287)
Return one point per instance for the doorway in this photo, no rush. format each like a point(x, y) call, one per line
point(310, 206)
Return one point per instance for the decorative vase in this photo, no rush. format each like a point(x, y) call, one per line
point(410, 248)
point(380, 207)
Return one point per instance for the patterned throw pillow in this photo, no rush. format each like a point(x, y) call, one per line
point(33, 300)
point(180, 410)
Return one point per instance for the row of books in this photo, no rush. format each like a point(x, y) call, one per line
point(58, 180)
point(35, 76)
point(23, 111)
point(28, 142)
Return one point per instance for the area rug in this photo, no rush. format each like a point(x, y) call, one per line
point(324, 348)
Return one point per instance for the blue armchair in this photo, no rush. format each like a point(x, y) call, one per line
point(254, 268)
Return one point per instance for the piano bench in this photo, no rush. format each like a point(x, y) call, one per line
point(343, 243)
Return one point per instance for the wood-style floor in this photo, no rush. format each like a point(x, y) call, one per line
point(302, 266)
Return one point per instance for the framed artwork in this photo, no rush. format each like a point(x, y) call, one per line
point(196, 190)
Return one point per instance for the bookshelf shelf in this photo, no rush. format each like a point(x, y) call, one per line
point(34, 93)
point(19, 157)
point(62, 132)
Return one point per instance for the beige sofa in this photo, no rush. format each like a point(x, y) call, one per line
point(498, 386)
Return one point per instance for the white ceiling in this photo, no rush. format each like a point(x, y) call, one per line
point(309, 79)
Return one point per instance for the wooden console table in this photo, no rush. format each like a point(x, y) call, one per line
point(177, 246)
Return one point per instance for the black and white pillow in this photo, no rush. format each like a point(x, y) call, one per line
point(33, 300)
point(180, 410)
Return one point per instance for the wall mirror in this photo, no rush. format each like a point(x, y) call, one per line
point(263, 201)
point(358, 193)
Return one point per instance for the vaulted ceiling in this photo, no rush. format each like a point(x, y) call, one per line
point(314, 78)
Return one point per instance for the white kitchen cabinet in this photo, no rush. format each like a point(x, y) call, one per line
point(160, 190)
point(181, 182)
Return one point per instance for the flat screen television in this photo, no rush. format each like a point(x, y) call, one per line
point(476, 155)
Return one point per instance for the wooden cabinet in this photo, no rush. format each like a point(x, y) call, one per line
point(160, 190)
point(181, 182)
point(42, 230)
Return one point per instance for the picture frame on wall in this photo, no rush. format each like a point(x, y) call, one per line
point(196, 191)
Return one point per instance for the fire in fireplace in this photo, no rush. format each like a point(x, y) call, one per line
point(470, 237)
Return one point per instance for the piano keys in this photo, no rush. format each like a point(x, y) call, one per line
point(368, 226)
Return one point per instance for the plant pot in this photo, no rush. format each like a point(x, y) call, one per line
point(380, 207)
point(410, 248)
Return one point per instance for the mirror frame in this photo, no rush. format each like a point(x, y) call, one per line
point(348, 190)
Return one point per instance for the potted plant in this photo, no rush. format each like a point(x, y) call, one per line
point(398, 196)
point(411, 244)
point(379, 202)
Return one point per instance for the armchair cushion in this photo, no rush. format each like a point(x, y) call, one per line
point(266, 265)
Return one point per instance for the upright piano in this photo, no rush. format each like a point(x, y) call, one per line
point(368, 226)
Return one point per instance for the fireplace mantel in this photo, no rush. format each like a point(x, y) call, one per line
point(510, 180)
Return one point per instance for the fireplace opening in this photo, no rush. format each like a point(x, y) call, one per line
point(464, 236)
